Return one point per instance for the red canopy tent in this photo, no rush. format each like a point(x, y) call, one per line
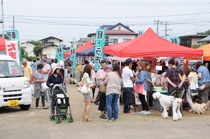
point(86, 46)
point(2, 44)
point(150, 45)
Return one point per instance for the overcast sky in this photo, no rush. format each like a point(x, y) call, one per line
point(73, 19)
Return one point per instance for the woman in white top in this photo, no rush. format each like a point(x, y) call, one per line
point(193, 81)
point(88, 97)
point(113, 82)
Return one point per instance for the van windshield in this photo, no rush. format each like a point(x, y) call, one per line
point(9, 68)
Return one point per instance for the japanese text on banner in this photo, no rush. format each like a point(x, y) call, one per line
point(73, 59)
point(59, 53)
point(99, 45)
point(12, 50)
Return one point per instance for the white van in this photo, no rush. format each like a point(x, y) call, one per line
point(14, 86)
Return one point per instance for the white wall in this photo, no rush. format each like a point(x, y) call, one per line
point(119, 27)
point(28, 48)
point(195, 40)
point(56, 42)
point(49, 52)
point(119, 37)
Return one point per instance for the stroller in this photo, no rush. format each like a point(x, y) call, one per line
point(60, 101)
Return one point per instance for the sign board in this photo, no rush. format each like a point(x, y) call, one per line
point(175, 39)
point(140, 32)
point(73, 59)
point(59, 53)
point(99, 46)
point(12, 50)
point(12, 34)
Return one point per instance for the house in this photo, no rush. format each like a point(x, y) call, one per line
point(206, 39)
point(190, 40)
point(29, 48)
point(48, 47)
point(79, 43)
point(116, 33)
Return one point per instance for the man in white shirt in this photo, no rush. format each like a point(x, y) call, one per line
point(45, 71)
point(128, 79)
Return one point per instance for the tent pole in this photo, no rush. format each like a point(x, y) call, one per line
point(202, 59)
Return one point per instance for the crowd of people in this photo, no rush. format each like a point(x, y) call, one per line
point(120, 84)
point(116, 83)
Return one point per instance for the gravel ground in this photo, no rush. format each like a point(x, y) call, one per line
point(35, 124)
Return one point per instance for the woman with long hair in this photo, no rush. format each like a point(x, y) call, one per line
point(142, 79)
point(86, 77)
point(113, 82)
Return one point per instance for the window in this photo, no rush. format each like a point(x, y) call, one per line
point(9, 69)
point(113, 41)
point(124, 40)
point(119, 28)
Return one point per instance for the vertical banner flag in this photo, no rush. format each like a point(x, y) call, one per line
point(140, 32)
point(13, 35)
point(99, 45)
point(12, 50)
point(59, 53)
point(175, 40)
point(73, 59)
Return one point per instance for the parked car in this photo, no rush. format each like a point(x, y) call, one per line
point(14, 86)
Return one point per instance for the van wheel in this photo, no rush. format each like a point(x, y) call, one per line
point(25, 107)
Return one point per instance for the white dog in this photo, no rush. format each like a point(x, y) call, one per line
point(167, 101)
point(195, 107)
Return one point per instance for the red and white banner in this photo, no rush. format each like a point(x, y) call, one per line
point(12, 50)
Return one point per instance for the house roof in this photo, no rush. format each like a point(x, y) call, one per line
point(206, 39)
point(50, 38)
point(116, 32)
point(194, 36)
point(110, 27)
point(49, 46)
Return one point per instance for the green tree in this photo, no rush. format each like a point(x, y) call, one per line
point(5, 36)
point(23, 52)
point(199, 45)
point(37, 47)
point(205, 32)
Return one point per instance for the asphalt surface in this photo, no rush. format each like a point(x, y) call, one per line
point(35, 124)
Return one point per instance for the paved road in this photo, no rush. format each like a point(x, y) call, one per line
point(35, 124)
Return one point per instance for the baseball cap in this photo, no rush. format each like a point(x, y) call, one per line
point(128, 61)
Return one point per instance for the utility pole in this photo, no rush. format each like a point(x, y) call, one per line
point(158, 22)
point(2, 21)
point(166, 30)
point(13, 23)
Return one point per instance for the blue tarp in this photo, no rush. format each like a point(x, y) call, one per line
point(88, 52)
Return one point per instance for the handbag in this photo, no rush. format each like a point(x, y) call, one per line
point(84, 88)
point(102, 89)
point(138, 88)
point(44, 87)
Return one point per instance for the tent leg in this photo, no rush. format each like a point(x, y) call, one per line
point(202, 59)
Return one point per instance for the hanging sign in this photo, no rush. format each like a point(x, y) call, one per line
point(59, 53)
point(99, 45)
point(140, 32)
point(12, 50)
point(73, 59)
point(175, 39)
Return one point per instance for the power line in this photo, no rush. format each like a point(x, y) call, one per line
point(110, 17)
